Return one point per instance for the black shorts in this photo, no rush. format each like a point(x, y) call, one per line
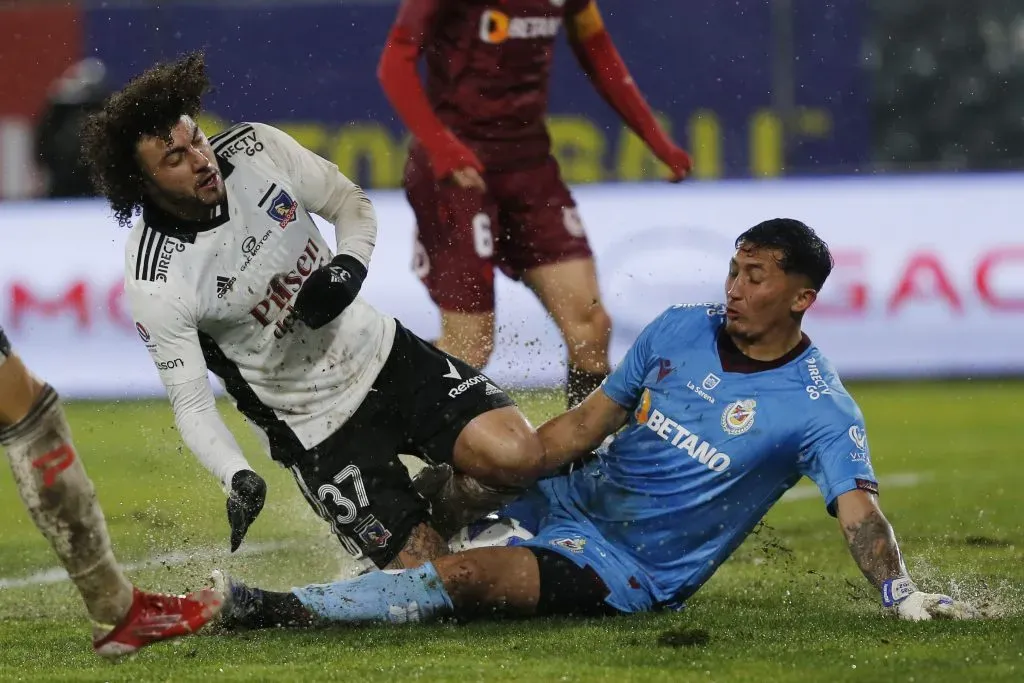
point(568, 590)
point(418, 405)
point(5, 346)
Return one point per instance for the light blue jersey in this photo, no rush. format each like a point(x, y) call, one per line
point(704, 456)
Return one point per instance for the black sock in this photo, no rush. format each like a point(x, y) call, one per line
point(280, 609)
point(580, 384)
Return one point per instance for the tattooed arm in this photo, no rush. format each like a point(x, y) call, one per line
point(871, 539)
point(873, 546)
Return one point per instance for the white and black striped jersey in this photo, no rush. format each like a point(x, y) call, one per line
point(216, 295)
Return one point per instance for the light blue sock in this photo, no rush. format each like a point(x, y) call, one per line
point(397, 597)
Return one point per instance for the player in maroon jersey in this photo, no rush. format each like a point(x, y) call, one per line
point(480, 177)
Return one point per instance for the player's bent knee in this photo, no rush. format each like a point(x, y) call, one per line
point(516, 459)
point(500, 448)
point(588, 338)
point(520, 460)
point(594, 325)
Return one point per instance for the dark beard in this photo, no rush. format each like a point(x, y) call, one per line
point(189, 207)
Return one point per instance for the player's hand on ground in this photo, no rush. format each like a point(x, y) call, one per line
point(469, 178)
point(678, 162)
point(920, 606)
point(245, 501)
point(329, 290)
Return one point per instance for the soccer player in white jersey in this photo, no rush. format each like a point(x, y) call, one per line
point(227, 272)
point(61, 500)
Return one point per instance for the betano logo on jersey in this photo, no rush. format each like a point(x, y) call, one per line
point(679, 436)
point(497, 27)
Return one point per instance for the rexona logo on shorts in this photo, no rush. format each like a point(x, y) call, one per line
point(463, 386)
point(679, 436)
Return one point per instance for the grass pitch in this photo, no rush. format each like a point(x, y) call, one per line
point(790, 604)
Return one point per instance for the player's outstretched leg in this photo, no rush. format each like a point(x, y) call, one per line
point(62, 503)
point(398, 597)
point(505, 581)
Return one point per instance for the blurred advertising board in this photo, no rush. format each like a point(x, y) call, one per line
point(708, 68)
point(929, 277)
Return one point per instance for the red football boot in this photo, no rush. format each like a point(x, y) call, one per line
point(156, 616)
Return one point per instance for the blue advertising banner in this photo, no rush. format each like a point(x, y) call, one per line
point(706, 66)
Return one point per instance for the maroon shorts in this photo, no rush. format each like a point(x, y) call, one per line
point(525, 219)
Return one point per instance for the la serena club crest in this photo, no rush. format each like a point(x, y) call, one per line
point(738, 416)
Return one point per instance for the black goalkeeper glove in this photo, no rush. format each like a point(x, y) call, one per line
point(329, 291)
point(248, 491)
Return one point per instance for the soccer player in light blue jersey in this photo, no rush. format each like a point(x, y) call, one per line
point(717, 410)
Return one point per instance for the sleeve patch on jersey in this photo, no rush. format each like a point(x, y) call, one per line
point(225, 134)
point(867, 485)
point(155, 253)
point(242, 140)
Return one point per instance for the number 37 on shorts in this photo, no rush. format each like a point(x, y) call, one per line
point(369, 529)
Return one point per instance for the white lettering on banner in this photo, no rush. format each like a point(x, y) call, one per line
point(914, 292)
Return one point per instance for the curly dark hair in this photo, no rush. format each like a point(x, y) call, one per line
point(149, 105)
